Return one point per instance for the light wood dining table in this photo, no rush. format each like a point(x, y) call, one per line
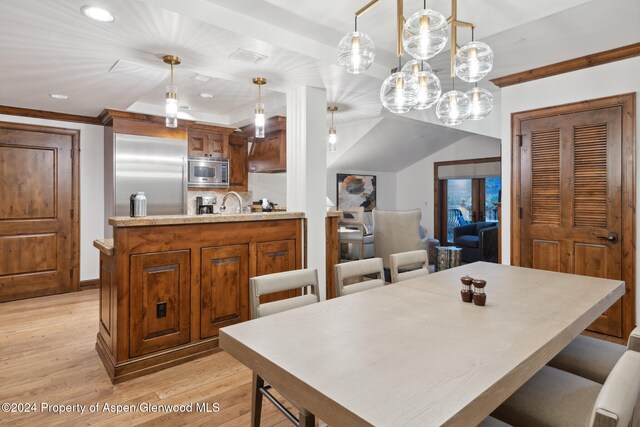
point(413, 353)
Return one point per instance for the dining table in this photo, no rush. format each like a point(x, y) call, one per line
point(414, 353)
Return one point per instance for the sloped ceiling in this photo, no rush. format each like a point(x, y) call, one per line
point(392, 144)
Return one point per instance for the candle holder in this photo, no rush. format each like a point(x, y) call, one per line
point(466, 293)
point(479, 297)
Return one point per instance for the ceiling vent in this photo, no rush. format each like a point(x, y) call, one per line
point(201, 78)
point(248, 56)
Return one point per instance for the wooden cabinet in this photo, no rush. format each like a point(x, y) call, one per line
point(159, 312)
point(224, 295)
point(208, 144)
point(166, 290)
point(238, 177)
point(276, 257)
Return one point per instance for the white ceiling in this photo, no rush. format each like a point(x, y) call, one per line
point(50, 47)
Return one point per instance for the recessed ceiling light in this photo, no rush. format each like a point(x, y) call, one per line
point(97, 13)
point(58, 96)
point(206, 95)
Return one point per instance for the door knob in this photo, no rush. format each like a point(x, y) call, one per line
point(612, 237)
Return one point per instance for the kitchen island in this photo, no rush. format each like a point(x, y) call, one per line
point(169, 283)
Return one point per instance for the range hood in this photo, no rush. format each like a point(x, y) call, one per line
point(268, 154)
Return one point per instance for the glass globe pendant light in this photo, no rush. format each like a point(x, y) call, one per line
point(398, 92)
point(427, 84)
point(356, 51)
point(171, 95)
point(453, 108)
point(259, 118)
point(473, 61)
point(481, 103)
point(333, 136)
point(424, 34)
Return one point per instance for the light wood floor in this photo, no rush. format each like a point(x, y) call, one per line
point(47, 355)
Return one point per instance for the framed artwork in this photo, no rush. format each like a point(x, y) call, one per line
point(356, 190)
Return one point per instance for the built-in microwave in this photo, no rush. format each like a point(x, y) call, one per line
point(208, 173)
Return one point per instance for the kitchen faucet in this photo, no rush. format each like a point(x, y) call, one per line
point(223, 207)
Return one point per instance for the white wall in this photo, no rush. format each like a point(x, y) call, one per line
point(273, 186)
point(597, 82)
point(385, 186)
point(415, 183)
point(91, 188)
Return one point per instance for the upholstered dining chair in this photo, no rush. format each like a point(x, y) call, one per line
point(399, 231)
point(407, 265)
point(593, 358)
point(306, 280)
point(364, 267)
point(557, 398)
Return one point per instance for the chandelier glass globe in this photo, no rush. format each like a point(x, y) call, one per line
point(481, 103)
point(414, 66)
point(398, 93)
point(473, 61)
point(427, 84)
point(453, 108)
point(356, 52)
point(425, 34)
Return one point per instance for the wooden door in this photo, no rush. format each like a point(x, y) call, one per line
point(38, 192)
point(238, 178)
point(159, 283)
point(571, 189)
point(224, 298)
point(276, 257)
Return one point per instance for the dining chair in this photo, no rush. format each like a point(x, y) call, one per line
point(305, 280)
point(407, 265)
point(364, 267)
point(593, 358)
point(557, 398)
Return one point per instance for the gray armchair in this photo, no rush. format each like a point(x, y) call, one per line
point(478, 240)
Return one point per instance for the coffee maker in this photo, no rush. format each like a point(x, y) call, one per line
point(204, 205)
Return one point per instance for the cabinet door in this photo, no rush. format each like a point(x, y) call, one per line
point(224, 294)
point(217, 145)
point(276, 257)
point(159, 301)
point(198, 145)
point(238, 178)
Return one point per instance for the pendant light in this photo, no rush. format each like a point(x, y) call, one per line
point(333, 136)
point(454, 107)
point(260, 120)
point(427, 84)
point(424, 34)
point(356, 50)
point(481, 103)
point(171, 95)
point(473, 61)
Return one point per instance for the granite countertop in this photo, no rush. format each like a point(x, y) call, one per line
point(126, 221)
point(105, 246)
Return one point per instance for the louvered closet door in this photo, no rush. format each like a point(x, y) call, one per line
point(572, 198)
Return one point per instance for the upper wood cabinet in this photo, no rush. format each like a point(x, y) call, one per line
point(238, 177)
point(208, 144)
point(268, 154)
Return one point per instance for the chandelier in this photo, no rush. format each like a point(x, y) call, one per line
point(415, 86)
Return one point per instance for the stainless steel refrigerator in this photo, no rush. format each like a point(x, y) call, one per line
point(154, 165)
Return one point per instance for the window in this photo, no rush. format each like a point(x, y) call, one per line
point(465, 193)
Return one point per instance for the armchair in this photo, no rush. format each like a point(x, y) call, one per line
point(478, 240)
point(399, 231)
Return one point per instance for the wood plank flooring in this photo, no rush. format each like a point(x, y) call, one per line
point(47, 356)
